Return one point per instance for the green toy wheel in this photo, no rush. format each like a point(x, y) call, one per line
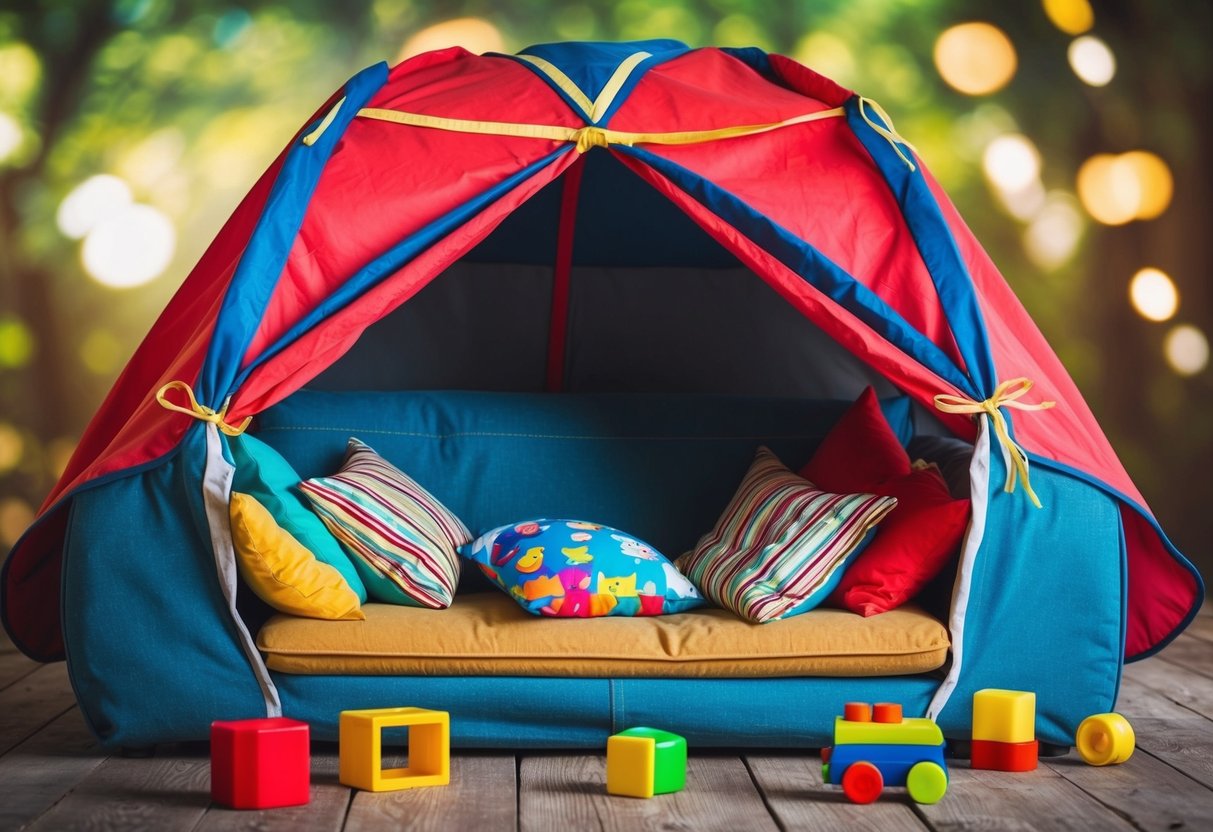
point(927, 782)
point(1105, 739)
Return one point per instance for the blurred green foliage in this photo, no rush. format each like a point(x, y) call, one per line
point(189, 101)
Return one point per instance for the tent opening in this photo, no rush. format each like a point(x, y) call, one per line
point(654, 305)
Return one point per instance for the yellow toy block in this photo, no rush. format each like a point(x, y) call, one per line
point(361, 749)
point(630, 765)
point(1004, 715)
point(642, 762)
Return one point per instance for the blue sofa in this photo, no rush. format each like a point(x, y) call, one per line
point(146, 621)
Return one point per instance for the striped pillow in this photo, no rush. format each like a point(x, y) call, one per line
point(781, 543)
point(395, 528)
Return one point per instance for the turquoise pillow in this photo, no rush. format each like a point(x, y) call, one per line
point(574, 569)
point(262, 472)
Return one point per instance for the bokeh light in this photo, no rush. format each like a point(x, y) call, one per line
point(16, 343)
point(1154, 181)
point(20, 70)
point(90, 202)
point(472, 33)
point(154, 160)
point(16, 516)
point(1052, 238)
point(1025, 203)
point(1154, 295)
point(1109, 192)
point(1011, 163)
point(101, 352)
point(1118, 189)
point(12, 447)
point(971, 134)
point(975, 58)
point(741, 30)
point(827, 54)
point(1070, 16)
point(58, 455)
point(130, 248)
point(1187, 350)
point(1092, 60)
point(231, 26)
point(10, 136)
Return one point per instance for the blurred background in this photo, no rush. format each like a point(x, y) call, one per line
point(1072, 135)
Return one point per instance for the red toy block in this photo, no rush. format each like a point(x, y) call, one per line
point(260, 763)
point(992, 755)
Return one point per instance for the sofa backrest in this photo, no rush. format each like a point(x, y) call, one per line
point(660, 467)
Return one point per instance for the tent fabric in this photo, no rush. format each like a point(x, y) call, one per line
point(836, 215)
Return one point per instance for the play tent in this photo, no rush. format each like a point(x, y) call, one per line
point(547, 191)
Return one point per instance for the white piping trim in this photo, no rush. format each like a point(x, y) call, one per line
point(979, 483)
point(216, 496)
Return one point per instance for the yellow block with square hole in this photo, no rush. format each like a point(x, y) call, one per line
point(1004, 715)
point(361, 749)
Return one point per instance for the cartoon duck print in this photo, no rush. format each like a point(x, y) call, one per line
point(578, 555)
point(531, 561)
point(509, 542)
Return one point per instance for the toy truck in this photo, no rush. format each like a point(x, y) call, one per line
point(874, 747)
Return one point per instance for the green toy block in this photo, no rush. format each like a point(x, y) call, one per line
point(642, 762)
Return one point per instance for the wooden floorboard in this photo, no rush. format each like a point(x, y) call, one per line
point(482, 794)
point(325, 811)
point(54, 776)
point(32, 702)
point(168, 791)
point(792, 787)
point(13, 667)
point(566, 792)
point(36, 774)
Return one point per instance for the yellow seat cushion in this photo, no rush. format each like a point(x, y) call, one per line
point(487, 634)
point(282, 571)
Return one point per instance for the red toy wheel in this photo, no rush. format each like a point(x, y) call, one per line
point(862, 783)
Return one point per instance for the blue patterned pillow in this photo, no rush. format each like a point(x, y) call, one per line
point(574, 569)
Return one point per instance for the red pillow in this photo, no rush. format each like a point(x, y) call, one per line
point(858, 452)
point(911, 545)
point(914, 541)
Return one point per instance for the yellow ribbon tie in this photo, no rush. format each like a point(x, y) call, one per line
point(200, 411)
point(889, 133)
point(589, 137)
point(314, 136)
point(1006, 394)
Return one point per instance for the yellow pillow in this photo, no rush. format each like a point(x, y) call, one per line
point(282, 571)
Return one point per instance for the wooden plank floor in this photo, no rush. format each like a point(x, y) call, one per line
point(53, 776)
